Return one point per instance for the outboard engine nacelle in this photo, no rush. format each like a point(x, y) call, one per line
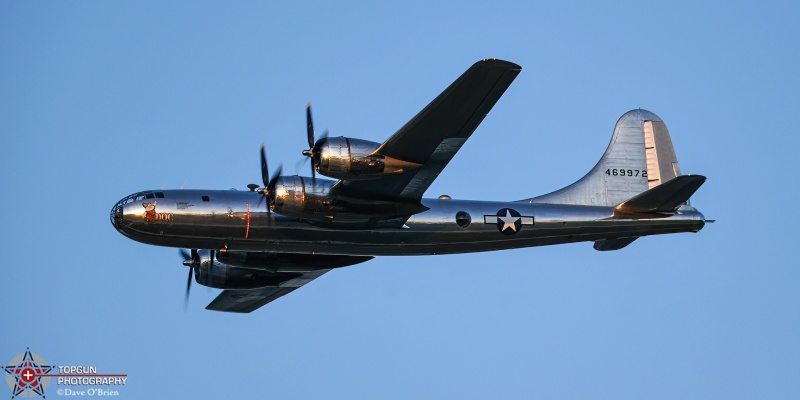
point(346, 158)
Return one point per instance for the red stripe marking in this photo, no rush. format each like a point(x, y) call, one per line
point(247, 232)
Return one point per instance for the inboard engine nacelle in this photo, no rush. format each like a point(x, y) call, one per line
point(302, 197)
point(210, 271)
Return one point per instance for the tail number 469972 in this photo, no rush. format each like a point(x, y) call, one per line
point(626, 172)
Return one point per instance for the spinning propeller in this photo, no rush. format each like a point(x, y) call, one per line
point(193, 261)
point(269, 183)
point(312, 149)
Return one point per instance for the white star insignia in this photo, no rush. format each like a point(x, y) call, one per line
point(509, 222)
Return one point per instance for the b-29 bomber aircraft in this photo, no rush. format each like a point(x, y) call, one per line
point(261, 244)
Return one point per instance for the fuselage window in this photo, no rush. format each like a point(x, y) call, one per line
point(205, 198)
point(463, 219)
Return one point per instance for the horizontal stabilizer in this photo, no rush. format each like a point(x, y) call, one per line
point(613, 244)
point(664, 198)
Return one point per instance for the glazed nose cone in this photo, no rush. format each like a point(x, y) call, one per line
point(116, 215)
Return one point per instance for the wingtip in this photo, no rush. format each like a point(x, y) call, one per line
point(497, 61)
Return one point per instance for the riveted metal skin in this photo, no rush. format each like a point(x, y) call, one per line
point(184, 220)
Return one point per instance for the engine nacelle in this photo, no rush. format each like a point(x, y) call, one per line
point(214, 273)
point(346, 158)
point(302, 197)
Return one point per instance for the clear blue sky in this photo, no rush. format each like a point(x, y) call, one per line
point(102, 99)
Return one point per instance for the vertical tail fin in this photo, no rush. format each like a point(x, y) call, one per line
point(639, 157)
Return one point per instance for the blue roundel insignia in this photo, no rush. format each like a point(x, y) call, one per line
point(508, 221)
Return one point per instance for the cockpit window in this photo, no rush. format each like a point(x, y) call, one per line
point(205, 198)
point(141, 196)
point(132, 198)
point(144, 195)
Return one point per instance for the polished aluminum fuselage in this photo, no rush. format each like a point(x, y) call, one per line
point(238, 221)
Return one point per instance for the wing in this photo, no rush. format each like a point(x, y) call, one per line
point(245, 301)
point(434, 136)
point(298, 269)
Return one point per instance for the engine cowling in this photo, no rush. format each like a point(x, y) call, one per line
point(217, 274)
point(346, 158)
point(302, 197)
